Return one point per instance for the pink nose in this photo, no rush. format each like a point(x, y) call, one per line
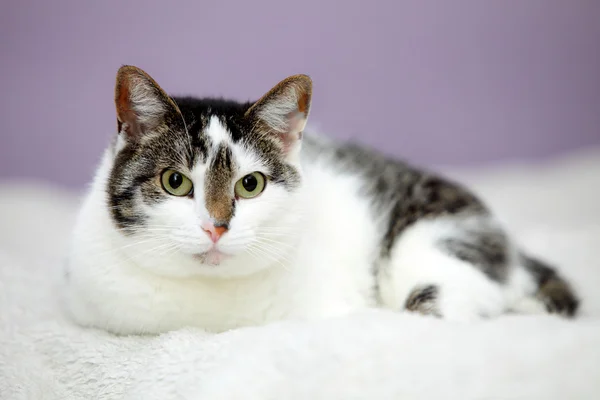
point(213, 232)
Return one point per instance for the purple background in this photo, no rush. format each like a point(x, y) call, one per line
point(437, 82)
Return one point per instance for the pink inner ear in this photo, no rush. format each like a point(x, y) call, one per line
point(296, 123)
point(289, 140)
point(127, 119)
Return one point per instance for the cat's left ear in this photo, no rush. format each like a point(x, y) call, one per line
point(284, 110)
point(142, 106)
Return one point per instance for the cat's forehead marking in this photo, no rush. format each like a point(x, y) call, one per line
point(217, 132)
point(218, 186)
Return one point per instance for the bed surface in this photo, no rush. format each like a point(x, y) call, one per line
point(552, 208)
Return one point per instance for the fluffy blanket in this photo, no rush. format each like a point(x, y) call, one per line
point(553, 209)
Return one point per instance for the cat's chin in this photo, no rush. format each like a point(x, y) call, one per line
point(212, 258)
point(211, 264)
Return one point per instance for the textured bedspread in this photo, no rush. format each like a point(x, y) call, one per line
point(553, 209)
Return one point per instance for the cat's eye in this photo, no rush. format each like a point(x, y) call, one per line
point(176, 183)
point(250, 185)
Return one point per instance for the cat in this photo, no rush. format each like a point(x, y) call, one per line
point(217, 214)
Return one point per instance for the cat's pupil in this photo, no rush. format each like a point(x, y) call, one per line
point(175, 180)
point(250, 183)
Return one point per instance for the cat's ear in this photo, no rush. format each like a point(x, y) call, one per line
point(284, 110)
point(142, 106)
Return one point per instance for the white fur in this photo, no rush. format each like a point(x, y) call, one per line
point(465, 292)
point(217, 132)
point(303, 269)
point(147, 106)
point(307, 254)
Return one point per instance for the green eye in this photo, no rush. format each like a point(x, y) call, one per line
point(250, 185)
point(176, 183)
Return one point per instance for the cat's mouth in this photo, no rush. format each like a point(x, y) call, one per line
point(212, 257)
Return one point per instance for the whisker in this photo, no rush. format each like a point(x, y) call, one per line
point(120, 248)
point(263, 253)
point(274, 243)
point(275, 253)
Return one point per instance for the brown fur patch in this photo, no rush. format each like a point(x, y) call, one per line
point(304, 102)
point(218, 186)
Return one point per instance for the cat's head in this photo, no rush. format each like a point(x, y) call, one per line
point(206, 186)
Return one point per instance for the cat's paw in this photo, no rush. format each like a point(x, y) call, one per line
point(456, 304)
point(470, 304)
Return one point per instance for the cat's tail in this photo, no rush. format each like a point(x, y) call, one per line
point(552, 289)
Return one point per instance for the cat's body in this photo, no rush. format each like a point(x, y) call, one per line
point(335, 229)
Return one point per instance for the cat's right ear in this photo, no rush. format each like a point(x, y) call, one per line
point(142, 106)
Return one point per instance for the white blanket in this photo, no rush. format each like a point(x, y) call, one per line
point(553, 209)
